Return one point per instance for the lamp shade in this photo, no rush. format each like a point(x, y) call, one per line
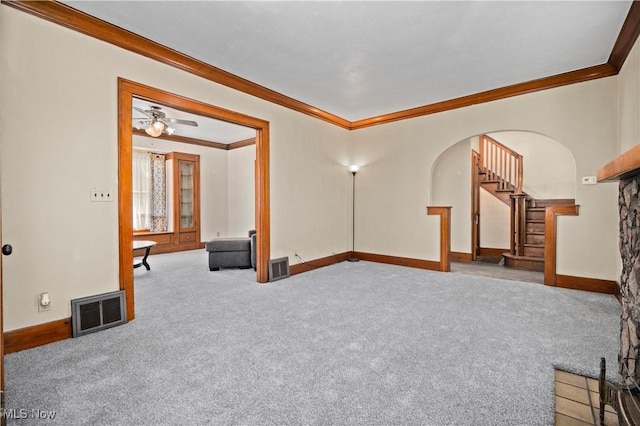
point(354, 168)
point(155, 129)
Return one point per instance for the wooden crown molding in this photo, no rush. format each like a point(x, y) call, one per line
point(627, 37)
point(79, 21)
point(559, 80)
point(73, 19)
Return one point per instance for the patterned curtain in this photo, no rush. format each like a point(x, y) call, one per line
point(158, 193)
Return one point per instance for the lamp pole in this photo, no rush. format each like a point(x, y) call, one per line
point(353, 169)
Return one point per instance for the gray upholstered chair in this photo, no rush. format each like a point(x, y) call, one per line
point(232, 252)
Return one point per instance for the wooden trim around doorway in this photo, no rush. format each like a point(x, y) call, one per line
point(550, 240)
point(126, 91)
point(445, 234)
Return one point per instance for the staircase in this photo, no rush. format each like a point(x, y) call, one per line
point(499, 171)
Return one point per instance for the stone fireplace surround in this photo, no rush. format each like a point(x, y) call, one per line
point(626, 170)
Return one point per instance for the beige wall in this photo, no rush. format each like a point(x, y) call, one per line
point(60, 137)
point(214, 208)
point(454, 165)
point(241, 193)
point(397, 159)
point(629, 100)
point(549, 168)
point(495, 222)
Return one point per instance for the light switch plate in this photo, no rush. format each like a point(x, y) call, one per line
point(100, 194)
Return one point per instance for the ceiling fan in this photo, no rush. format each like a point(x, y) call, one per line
point(156, 121)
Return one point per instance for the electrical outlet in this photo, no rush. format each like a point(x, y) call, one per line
point(44, 302)
point(100, 194)
point(589, 180)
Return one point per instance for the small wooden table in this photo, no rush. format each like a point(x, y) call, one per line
point(146, 245)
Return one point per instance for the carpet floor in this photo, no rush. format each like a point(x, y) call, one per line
point(349, 344)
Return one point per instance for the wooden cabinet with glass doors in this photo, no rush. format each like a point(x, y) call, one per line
point(183, 206)
point(186, 199)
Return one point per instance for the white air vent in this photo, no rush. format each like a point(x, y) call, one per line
point(95, 313)
point(278, 268)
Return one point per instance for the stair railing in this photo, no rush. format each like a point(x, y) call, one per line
point(505, 166)
point(518, 224)
point(501, 163)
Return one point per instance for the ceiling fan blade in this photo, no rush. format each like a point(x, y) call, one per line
point(180, 121)
point(143, 111)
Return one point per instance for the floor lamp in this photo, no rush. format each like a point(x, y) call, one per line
point(353, 169)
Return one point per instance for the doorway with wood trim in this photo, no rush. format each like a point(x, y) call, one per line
point(127, 90)
point(495, 172)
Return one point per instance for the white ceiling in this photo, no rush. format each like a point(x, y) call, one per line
point(359, 59)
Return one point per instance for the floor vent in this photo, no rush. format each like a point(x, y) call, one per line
point(278, 268)
point(95, 313)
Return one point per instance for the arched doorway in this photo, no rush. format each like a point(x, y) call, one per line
point(480, 219)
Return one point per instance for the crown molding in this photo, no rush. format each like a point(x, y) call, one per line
point(586, 74)
point(627, 37)
point(68, 17)
point(76, 20)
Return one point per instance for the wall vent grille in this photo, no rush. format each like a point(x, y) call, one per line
point(278, 268)
point(95, 313)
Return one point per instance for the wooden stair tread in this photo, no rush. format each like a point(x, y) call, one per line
point(534, 220)
point(535, 209)
point(539, 245)
point(530, 258)
point(535, 233)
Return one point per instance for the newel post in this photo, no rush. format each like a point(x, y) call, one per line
point(445, 234)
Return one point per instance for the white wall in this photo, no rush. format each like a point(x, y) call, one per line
point(398, 157)
point(214, 208)
point(549, 168)
point(59, 137)
point(629, 100)
point(241, 193)
point(454, 167)
point(495, 222)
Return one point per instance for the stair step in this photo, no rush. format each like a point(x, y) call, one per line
point(534, 239)
point(504, 190)
point(536, 209)
point(555, 202)
point(529, 263)
point(535, 233)
point(534, 250)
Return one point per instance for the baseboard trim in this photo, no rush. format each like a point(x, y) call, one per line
point(36, 335)
point(400, 261)
point(587, 284)
point(496, 252)
point(457, 256)
point(318, 263)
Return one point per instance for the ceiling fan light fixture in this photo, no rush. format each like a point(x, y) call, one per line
point(155, 129)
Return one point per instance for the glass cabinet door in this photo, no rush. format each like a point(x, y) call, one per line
point(187, 194)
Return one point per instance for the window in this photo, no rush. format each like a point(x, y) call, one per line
point(149, 191)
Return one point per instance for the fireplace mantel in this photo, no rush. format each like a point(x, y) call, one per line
point(622, 167)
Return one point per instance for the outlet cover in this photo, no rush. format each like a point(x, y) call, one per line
point(589, 180)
